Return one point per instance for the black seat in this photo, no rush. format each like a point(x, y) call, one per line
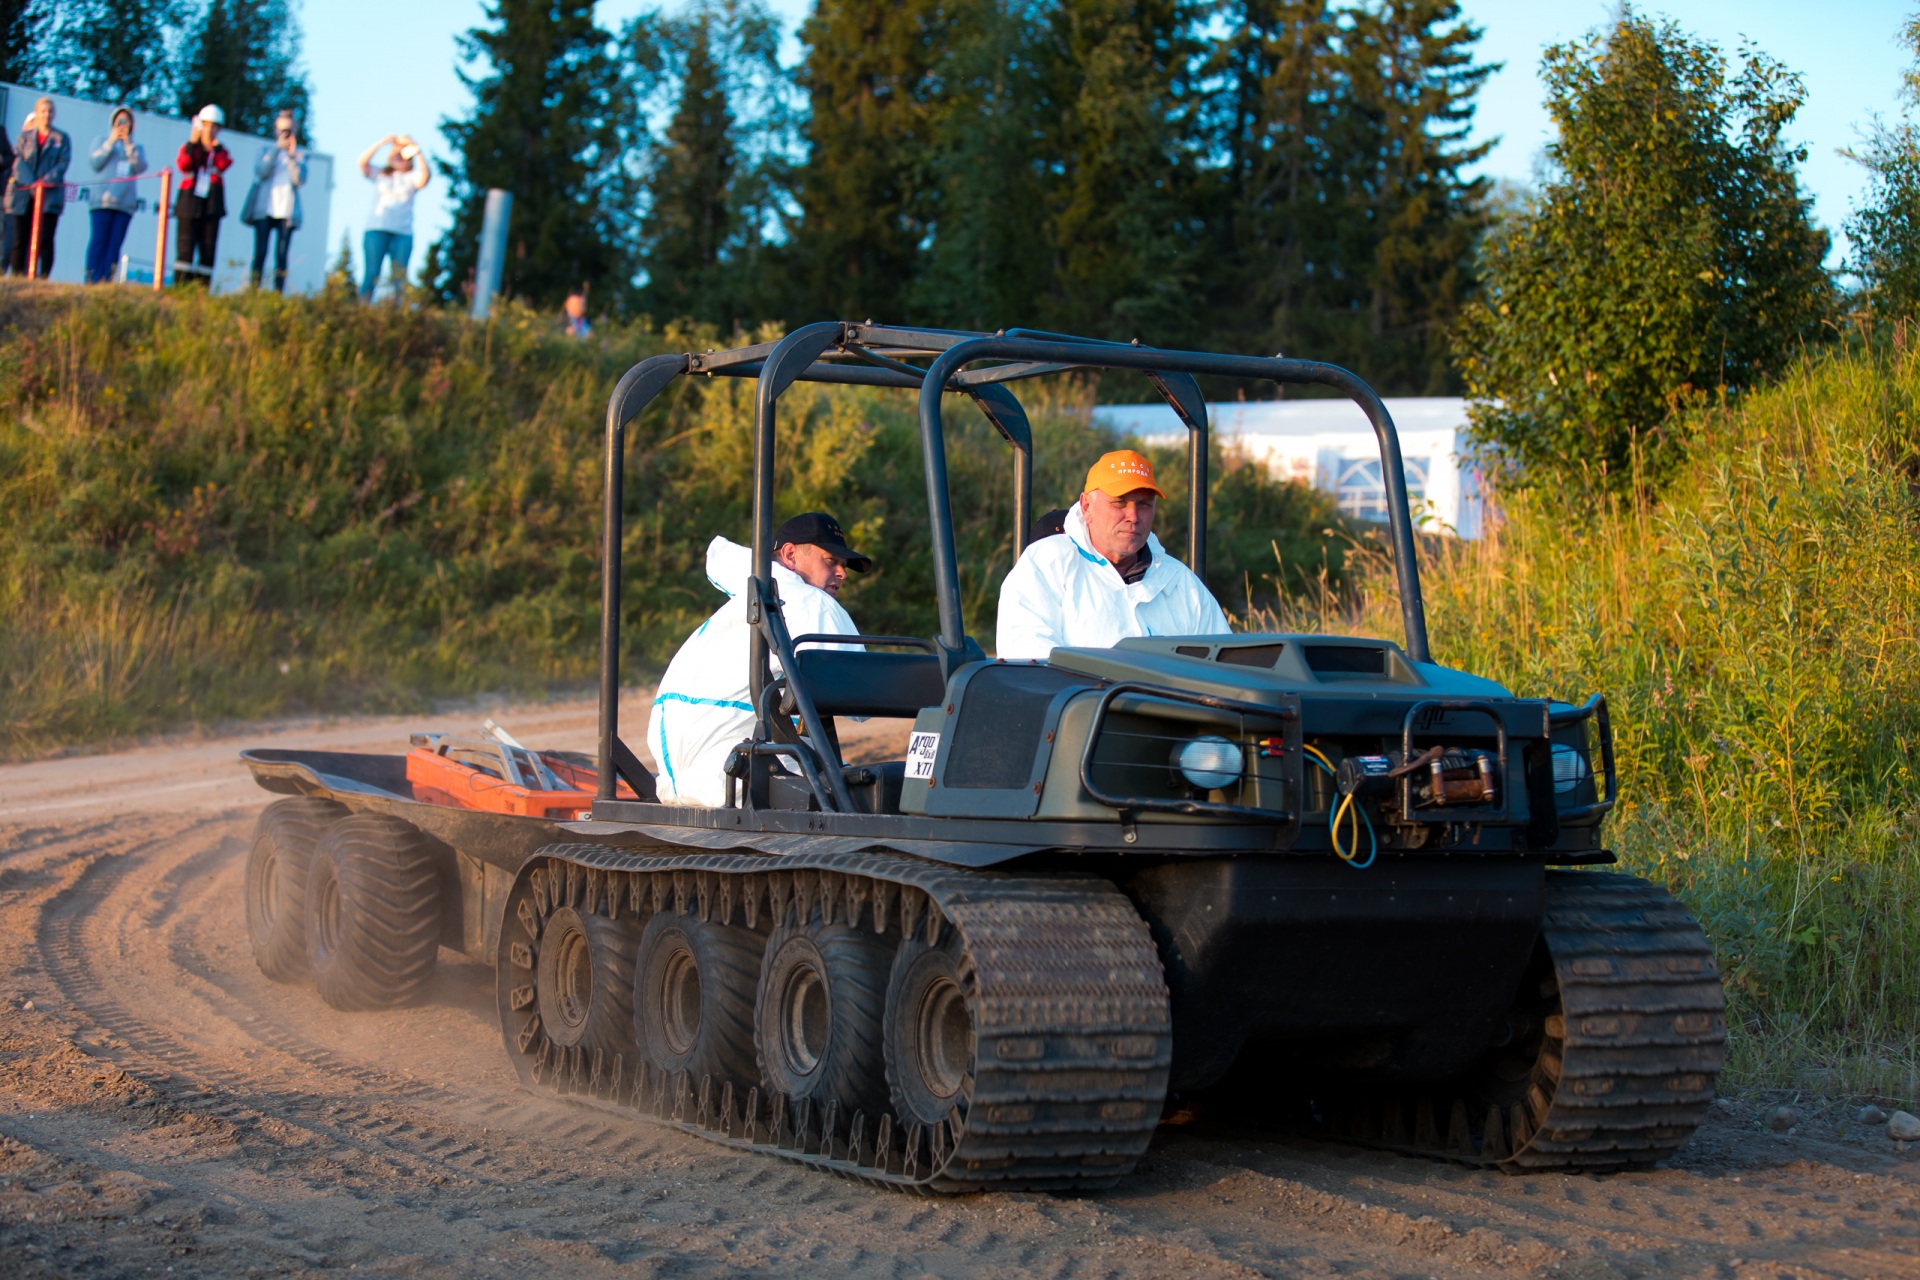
point(846, 683)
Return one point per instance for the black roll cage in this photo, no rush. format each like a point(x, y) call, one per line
point(855, 354)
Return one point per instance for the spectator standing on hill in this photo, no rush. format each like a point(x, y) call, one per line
point(40, 160)
point(389, 235)
point(577, 326)
point(203, 198)
point(117, 156)
point(6, 195)
point(273, 202)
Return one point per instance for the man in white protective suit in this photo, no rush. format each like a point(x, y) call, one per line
point(1106, 577)
point(704, 708)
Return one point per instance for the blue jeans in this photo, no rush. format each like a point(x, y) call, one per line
point(109, 232)
point(390, 246)
point(282, 232)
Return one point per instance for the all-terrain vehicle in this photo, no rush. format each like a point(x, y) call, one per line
point(1098, 883)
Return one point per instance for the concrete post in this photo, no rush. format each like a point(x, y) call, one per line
point(493, 251)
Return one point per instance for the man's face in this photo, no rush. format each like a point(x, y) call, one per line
point(1118, 526)
point(817, 565)
point(42, 114)
point(577, 307)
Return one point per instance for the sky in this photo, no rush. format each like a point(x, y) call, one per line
point(378, 67)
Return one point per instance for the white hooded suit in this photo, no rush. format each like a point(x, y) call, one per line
point(704, 708)
point(1063, 592)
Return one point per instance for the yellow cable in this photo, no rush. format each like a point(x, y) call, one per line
point(1345, 804)
point(1340, 813)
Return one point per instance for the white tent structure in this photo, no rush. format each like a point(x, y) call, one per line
point(163, 136)
point(1330, 444)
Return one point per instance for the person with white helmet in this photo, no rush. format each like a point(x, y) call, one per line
point(702, 709)
point(202, 201)
point(1106, 577)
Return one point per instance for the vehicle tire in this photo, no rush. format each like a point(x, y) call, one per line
point(283, 842)
point(929, 1032)
point(372, 913)
point(583, 981)
point(693, 987)
point(817, 1017)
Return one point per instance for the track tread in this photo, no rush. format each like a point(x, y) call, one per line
point(1073, 1030)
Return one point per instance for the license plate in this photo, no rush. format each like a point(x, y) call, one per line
point(921, 749)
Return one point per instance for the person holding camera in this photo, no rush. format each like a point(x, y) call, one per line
point(118, 156)
point(389, 236)
point(40, 161)
point(273, 202)
point(203, 198)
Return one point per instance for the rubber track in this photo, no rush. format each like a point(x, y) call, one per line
point(1073, 1032)
point(1630, 1058)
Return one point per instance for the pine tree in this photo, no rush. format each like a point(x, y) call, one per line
point(244, 57)
point(21, 24)
point(984, 260)
point(717, 170)
point(1275, 264)
point(688, 220)
point(1123, 225)
point(551, 123)
point(1411, 82)
point(863, 207)
point(116, 51)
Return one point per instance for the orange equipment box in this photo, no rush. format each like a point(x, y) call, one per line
point(480, 773)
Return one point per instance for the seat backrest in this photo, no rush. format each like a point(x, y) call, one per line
point(845, 683)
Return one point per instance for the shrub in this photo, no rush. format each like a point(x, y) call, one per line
point(1669, 259)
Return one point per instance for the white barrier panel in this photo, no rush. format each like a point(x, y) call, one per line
point(1330, 445)
point(87, 122)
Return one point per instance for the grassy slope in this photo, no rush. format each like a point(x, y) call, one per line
point(1757, 635)
point(239, 507)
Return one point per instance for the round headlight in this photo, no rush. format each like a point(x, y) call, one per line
point(1208, 763)
point(1569, 768)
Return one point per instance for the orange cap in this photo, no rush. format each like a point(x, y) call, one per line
point(1121, 472)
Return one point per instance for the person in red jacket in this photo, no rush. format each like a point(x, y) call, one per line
point(203, 198)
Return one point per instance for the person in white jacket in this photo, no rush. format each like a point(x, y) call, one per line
point(1105, 577)
point(704, 708)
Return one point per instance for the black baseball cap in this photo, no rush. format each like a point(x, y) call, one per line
point(818, 529)
point(1048, 525)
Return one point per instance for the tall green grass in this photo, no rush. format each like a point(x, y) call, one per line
point(238, 507)
point(1757, 634)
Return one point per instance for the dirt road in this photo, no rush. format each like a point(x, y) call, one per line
point(163, 1109)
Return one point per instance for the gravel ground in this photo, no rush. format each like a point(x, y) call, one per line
point(165, 1109)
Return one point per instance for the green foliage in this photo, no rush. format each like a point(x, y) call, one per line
point(1347, 223)
point(20, 26)
point(868, 77)
point(554, 124)
point(1670, 259)
point(983, 173)
point(702, 239)
point(244, 56)
point(1885, 230)
point(1121, 225)
point(116, 51)
point(1757, 635)
point(1127, 168)
point(235, 507)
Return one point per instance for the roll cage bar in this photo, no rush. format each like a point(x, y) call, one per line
point(853, 354)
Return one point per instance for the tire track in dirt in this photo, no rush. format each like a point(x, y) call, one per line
point(164, 1097)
